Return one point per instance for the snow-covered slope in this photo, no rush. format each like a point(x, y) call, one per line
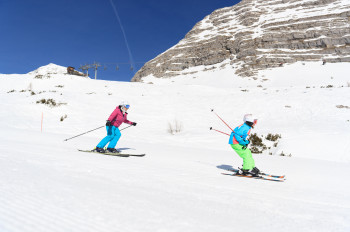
point(47, 185)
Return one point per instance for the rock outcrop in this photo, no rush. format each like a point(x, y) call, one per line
point(259, 34)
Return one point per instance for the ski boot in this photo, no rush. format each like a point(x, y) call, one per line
point(112, 150)
point(100, 150)
point(248, 172)
point(243, 172)
point(256, 171)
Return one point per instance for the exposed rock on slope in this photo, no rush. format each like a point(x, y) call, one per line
point(259, 34)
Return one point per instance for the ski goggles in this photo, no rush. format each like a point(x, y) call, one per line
point(127, 106)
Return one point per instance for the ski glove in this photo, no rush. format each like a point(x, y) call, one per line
point(108, 123)
point(134, 123)
point(245, 144)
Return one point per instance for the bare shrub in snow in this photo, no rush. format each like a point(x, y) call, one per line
point(63, 118)
point(47, 75)
point(282, 154)
point(273, 137)
point(341, 107)
point(175, 127)
point(50, 102)
point(257, 145)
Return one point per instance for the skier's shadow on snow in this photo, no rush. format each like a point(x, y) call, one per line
point(226, 167)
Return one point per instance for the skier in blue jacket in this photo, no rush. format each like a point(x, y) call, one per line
point(239, 142)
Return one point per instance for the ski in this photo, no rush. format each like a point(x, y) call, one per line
point(262, 174)
point(273, 176)
point(123, 154)
point(256, 177)
point(113, 154)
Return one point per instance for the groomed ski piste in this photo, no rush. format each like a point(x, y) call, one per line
point(46, 184)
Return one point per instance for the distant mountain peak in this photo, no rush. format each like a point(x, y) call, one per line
point(49, 69)
point(54, 69)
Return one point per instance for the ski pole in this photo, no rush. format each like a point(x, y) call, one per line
point(125, 127)
point(83, 133)
point(93, 130)
point(219, 131)
point(221, 119)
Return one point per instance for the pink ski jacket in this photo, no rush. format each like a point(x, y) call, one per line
point(117, 117)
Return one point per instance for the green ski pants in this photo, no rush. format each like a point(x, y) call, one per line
point(246, 155)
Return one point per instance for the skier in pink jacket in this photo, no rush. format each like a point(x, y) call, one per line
point(118, 116)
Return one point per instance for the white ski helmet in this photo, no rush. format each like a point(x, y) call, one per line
point(125, 104)
point(248, 118)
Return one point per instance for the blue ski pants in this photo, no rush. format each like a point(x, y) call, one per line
point(113, 135)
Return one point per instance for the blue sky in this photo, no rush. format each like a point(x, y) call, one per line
point(34, 33)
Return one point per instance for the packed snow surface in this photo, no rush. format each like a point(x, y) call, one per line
point(46, 184)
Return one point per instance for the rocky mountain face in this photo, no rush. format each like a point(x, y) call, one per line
point(259, 34)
